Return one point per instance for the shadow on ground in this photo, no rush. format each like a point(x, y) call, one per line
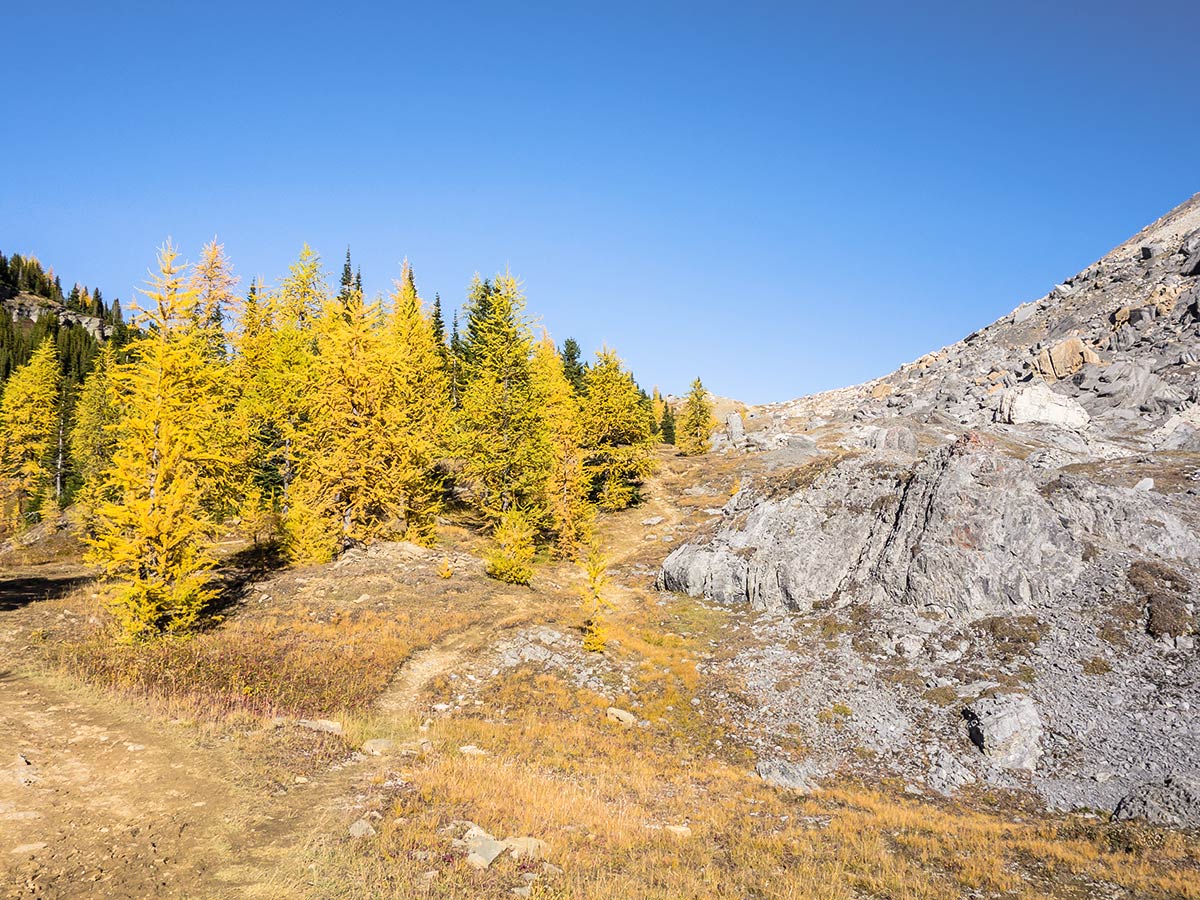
point(22, 589)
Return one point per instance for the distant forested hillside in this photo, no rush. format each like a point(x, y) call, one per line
point(35, 309)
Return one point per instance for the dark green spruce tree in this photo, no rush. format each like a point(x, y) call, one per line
point(666, 427)
point(573, 368)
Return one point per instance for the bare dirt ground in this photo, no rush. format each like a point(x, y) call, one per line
point(95, 802)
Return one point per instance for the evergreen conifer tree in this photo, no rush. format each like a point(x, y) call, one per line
point(500, 432)
point(347, 283)
point(455, 366)
point(573, 367)
point(666, 426)
point(439, 325)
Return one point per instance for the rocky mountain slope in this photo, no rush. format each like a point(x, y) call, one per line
point(30, 307)
point(1000, 544)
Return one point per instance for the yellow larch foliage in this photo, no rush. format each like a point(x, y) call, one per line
point(304, 292)
point(341, 494)
point(694, 428)
point(595, 603)
point(566, 480)
point(213, 281)
point(376, 418)
point(510, 558)
point(152, 533)
point(28, 428)
point(93, 436)
point(273, 357)
point(416, 412)
point(616, 433)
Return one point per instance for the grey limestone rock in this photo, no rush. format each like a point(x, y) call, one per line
point(1173, 801)
point(1007, 730)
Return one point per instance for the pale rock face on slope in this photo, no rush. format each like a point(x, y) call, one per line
point(1040, 478)
point(1038, 405)
point(1008, 730)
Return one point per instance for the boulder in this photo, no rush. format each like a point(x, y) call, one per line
point(735, 429)
point(1007, 730)
point(361, 829)
point(946, 773)
point(378, 746)
point(1065, 359)
point(785, 775)
point(1180, 432)
point(1130, 385)
point(621, 716)
point(1038, 405)
point(896, 439)
point(525, 847)
point(1173, 801)
point(482, 848)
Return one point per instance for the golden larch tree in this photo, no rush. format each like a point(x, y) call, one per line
point(417, 410)
point(694, 428)
point(566, 480)
point(29, 418)
point(93, 436)
point(152, 533)
point(616, 432)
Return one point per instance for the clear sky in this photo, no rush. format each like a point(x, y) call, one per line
point(780, 198)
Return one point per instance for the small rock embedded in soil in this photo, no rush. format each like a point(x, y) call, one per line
point(616, 714)
point(378, 746)
point(361, 829)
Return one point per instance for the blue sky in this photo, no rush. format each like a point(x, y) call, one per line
point(778, 198)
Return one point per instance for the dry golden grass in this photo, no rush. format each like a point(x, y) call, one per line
point(300, 661)
point(601, 795)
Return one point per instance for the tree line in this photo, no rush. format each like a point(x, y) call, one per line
point(76, 344)
point(322, 420)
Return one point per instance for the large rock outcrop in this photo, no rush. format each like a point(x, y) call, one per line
point(965, 533)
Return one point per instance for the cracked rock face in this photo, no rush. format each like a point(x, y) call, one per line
point(965, 534)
